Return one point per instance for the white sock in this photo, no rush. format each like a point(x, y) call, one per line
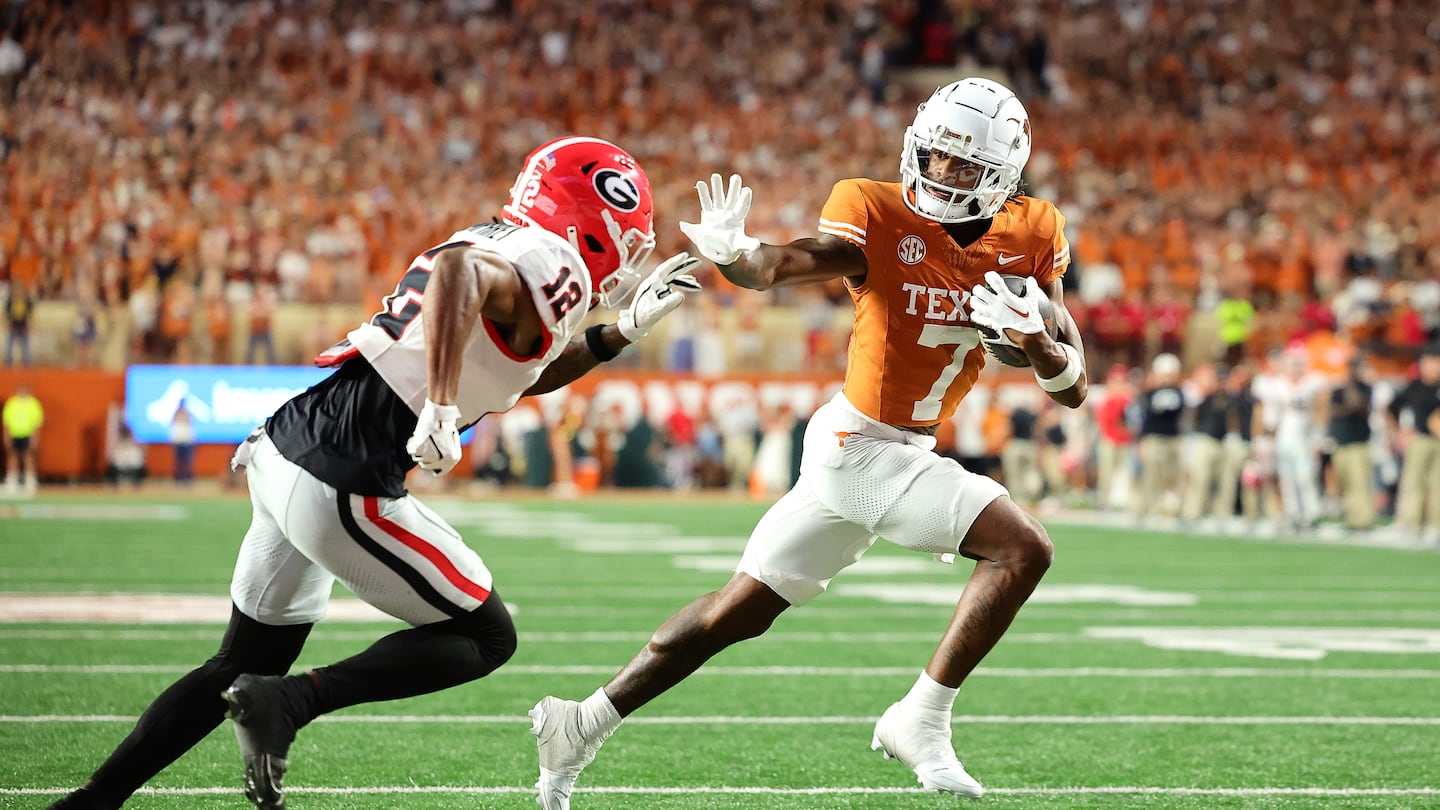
point(929, 695)
point(598, 716)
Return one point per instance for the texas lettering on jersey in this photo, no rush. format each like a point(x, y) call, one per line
point(914, 353)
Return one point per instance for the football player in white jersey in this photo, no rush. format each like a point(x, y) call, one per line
point(1288, 400)
point(474, 324)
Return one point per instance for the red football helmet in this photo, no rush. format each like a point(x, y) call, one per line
point(594, 194)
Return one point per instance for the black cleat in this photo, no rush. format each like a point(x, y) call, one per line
point(264, 729)
point(83, 800)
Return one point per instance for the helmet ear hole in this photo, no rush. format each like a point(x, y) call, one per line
point(593, 244)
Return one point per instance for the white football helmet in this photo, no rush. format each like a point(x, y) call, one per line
point(978, 121)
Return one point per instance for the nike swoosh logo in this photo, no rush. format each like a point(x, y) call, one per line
point(1016, 311)
point(1004, 260)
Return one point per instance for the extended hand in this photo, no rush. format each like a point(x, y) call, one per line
point(720, 234)
point(995, 307)
point(435, 444)
point(659, 295)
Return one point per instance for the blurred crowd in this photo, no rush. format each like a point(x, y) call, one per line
point(1239, 176)
point(177, 171)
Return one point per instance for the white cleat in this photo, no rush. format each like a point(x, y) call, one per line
point(564, 750)
point(923, 745)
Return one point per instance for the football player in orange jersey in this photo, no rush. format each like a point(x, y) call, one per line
point(921, 259)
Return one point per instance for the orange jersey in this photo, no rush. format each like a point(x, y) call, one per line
point(914, 354)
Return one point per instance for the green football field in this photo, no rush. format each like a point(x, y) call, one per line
point(1150, 670)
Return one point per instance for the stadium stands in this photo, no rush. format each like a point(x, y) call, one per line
point(198, 182)
point(196, 156)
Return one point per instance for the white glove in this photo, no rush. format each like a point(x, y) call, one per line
point(720, 235)
point(995, 307)
point(435, 444)
point(658, 295)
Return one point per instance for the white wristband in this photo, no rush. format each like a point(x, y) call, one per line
point(1068, 376)
point(443, 413)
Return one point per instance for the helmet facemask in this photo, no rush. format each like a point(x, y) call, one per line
point(633, 247)
point(984, 133)
point(973, 197)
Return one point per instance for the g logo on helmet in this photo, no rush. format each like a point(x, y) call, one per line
point(911, 249)
point(617, 190)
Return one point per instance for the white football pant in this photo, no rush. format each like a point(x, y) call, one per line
point(860, 479)
point(394, 553)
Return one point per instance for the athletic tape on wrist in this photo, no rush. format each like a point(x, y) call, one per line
point(443, 412)
point(1068, 376)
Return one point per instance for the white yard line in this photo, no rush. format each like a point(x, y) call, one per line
point(657, 609)
point(819, 720)
point(528, 670)
point(512, 790)
point(108, 512)
point(1318, 673)
point(526, 637)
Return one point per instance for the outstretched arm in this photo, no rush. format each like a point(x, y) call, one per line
point(578, 358)
point(720, 236)
point(804, 261)
point(657, 296)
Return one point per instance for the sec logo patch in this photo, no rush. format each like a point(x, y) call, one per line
point(911, 250)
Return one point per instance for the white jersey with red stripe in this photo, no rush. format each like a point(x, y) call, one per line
point(492, 377)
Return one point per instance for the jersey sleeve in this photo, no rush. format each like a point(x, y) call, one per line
point(556, 276)
point(845, 214)
point(1055, 260)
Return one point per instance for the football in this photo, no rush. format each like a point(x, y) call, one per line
point(1009, 355)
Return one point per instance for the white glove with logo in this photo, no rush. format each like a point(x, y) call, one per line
point(435, 444)
point(995, 307)
point(658, 295)
point(720, 234)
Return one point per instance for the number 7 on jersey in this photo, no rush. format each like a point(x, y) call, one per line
point(932, 336)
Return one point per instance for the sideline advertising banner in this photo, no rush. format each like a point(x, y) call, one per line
point(226, 402)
